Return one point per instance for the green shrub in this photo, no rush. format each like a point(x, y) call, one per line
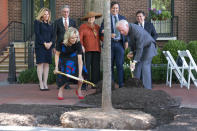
point(158, 58)
point(127, 73)
point(28, 76)
point(159, 73)
point(192, 47)
point(173, 46)
point(52, 76)
point(126, 60)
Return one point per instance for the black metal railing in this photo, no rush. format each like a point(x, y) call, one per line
point(13, 32)
point(29, 46)
point(167, 28)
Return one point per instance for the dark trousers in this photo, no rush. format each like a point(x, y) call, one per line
point(117, 56)
point(92, 59)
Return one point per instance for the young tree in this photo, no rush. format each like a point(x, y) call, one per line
point(103, 6)
point(106, 91)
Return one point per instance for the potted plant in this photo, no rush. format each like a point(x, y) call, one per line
point(159, 14)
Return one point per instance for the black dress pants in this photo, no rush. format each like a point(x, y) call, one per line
point(92, 59)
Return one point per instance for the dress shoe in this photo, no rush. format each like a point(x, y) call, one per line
point(60, 98)
point(42, 89)
point(84, 87)
point(67, 87)
point(46, 89)
point(79, 97)
point(93, 87)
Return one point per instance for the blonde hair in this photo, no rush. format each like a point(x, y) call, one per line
point(41, 14)
point(69, 33)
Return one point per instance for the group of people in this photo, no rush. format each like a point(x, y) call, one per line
point(74, 48)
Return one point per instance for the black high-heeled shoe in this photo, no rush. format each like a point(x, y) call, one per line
point(46, 89)
point(41, 89)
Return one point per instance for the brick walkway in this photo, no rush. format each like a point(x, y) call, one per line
point(30, 94)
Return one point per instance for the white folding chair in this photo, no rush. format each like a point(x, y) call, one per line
point(189, 66)
point(172, 66)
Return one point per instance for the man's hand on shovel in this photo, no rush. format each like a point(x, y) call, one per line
point(132, 64)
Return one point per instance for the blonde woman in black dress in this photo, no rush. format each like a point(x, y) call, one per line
point(68, 59)
point(43, 46)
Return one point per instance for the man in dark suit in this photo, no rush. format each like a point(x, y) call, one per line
point(118, 43)
point(143, 48)
point(140, 17)
point(61, 25)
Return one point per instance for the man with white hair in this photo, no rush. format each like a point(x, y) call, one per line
point(143, 49)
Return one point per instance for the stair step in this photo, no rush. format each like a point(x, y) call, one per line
point(20, 67)
point(17, 62)
point(16, 52)
point(19, 58)
point(25, 65)
point(19, 44)
point(7, 71)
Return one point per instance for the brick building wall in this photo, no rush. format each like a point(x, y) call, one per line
point(3, 22)
point(128, 8)
point(186, 10)
point(15, 10)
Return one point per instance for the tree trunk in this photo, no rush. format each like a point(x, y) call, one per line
point(106, 91)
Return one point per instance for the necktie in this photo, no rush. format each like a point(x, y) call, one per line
point(65, 25)
point(115, 30)
point(141, 25)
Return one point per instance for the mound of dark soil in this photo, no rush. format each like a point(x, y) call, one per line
point(153, 102)
point(135, 98)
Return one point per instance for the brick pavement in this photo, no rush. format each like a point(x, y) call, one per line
point(30, 94)
point(188, 97)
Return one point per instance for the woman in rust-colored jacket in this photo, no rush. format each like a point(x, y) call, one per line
point(90, 40)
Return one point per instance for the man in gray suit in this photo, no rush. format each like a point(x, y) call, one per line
point(143, 48)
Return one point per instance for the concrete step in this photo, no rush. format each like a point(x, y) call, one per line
point(17, 62)
point(17, 50)
point(19, 57)
point(4, 67)
point(20, 51)
point(6, 71)
point(19, 44)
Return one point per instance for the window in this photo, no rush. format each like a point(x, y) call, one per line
point(161, 4)
point(161, 14)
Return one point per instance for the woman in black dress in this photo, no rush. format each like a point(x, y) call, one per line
point(68, 59)
point(43, 46)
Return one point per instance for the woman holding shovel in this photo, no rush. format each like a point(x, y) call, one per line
point(68, 59)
